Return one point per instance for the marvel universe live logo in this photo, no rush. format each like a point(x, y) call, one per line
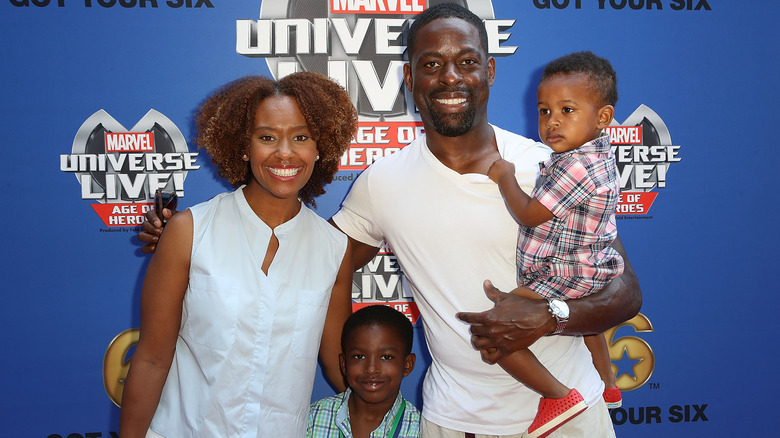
point(125, 174)
point(339, 43)
point(641, 167)
point(381, 281)
point(122, 169)
point(676, 5)
point(273, 37)
point(375, 140)
point(655, 414)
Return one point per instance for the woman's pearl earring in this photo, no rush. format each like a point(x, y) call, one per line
point(245, 158)
point(316, 158)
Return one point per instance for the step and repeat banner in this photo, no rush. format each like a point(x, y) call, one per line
point(97, 107)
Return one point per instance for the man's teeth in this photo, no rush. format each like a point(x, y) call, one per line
point(451, 101)
point(284, 172)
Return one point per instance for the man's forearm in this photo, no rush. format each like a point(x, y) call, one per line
point(616, 303)
point(619, 301)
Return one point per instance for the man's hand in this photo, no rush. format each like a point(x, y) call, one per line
point(514, 323)
point(152, 228)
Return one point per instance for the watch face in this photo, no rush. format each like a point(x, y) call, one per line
point(559, 308)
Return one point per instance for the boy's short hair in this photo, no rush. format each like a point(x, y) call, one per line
point(445, 10)
point(598, 69)
point(379, 314)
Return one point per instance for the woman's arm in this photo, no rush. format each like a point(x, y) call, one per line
point(339, 309)
point(162, 295)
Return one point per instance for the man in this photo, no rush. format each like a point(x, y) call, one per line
point(449, 228)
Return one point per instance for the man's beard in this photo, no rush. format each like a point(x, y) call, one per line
point(455, 125)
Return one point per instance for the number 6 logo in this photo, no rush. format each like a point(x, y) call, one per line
point(116, 364)
point(636, 349)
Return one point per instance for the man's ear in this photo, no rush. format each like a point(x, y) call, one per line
point(409, 364)
point(605, 115)
point(491, 71)
point(408, 76)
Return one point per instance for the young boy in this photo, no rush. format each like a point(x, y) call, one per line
point(568, 223)
point(376, 354)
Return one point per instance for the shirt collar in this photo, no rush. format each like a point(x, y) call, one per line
point(342, 414)
point(387, 422)
point(599, 145)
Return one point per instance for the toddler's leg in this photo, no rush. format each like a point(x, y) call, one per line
point(559, 404)
point(597, 345)
point(526, 368)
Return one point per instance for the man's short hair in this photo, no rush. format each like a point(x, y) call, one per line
point(385, 316)
point(598, 69)
point(445, 10)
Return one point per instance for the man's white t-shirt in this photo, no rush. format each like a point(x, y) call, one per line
point(450, 232)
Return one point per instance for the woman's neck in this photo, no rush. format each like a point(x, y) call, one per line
point(271, 210)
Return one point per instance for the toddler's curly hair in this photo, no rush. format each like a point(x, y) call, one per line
point(225, 123)
point(599, 70)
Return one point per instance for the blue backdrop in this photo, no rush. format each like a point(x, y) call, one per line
point(697, 77)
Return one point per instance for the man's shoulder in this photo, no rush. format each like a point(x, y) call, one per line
point(509, 136)
point(516, 148)
point(400, 157)
point(400, 162)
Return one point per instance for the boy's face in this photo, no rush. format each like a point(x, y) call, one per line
point(374, 362)
point(569, 115)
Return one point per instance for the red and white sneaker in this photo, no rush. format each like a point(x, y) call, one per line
point(613, 397)
point(554, 412)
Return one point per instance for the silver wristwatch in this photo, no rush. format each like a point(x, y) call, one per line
point(560, 311)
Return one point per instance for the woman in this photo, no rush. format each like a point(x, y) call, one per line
point(243, 290)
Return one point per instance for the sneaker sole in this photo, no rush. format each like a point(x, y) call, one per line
point(558, 421)
point(616, 404)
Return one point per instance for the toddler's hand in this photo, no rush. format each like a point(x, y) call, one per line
point(500, 168)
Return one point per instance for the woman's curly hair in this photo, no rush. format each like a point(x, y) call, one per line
point(225, 123)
